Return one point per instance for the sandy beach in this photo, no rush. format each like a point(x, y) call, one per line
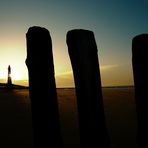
point(16, 125)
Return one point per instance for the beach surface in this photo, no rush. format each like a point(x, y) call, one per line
point(16, 125)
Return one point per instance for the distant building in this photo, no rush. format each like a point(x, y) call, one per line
point(9, 80)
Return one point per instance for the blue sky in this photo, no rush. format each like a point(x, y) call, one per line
point(114, 23)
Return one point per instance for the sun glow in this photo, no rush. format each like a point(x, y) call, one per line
point(15, 75)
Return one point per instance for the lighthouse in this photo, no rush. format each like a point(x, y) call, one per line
point(9, 80)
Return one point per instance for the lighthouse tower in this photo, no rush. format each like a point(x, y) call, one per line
point(9, 80)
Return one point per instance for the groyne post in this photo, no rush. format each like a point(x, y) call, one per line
point(82, 50)
point(140, 72)
point(42, 89)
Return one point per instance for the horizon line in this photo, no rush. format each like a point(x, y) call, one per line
point(72, 87)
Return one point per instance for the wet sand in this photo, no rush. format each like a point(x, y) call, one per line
point(16, 126)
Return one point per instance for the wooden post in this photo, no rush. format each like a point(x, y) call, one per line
point(42, 88)
point(140, 63)
point(84, 59)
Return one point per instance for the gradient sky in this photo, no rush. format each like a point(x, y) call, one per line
point(114, 23)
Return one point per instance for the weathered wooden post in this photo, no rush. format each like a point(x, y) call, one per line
point(140, 63)
point(42, 89)
point(83, 54)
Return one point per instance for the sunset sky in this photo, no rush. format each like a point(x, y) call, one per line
point(114, 23)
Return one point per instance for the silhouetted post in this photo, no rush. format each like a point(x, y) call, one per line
point(140, 64)
point(83, 54)
point(42, 88)
point(9, 81)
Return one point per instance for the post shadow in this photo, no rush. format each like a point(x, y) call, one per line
point(140, 72)
point(42, 89)
point(82, 50)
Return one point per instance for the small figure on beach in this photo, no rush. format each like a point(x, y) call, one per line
point(9, 70)
point(9, 80)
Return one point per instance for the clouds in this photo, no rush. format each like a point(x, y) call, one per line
point(65, 79)
point(116, 75)
point(108, 67)
point(109, 76)
point(114, 23)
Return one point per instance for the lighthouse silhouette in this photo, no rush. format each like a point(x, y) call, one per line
point(9, 80)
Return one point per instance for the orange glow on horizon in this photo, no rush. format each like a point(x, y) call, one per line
point(16, 74)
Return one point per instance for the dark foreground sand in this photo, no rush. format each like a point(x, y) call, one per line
point(15, 118)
